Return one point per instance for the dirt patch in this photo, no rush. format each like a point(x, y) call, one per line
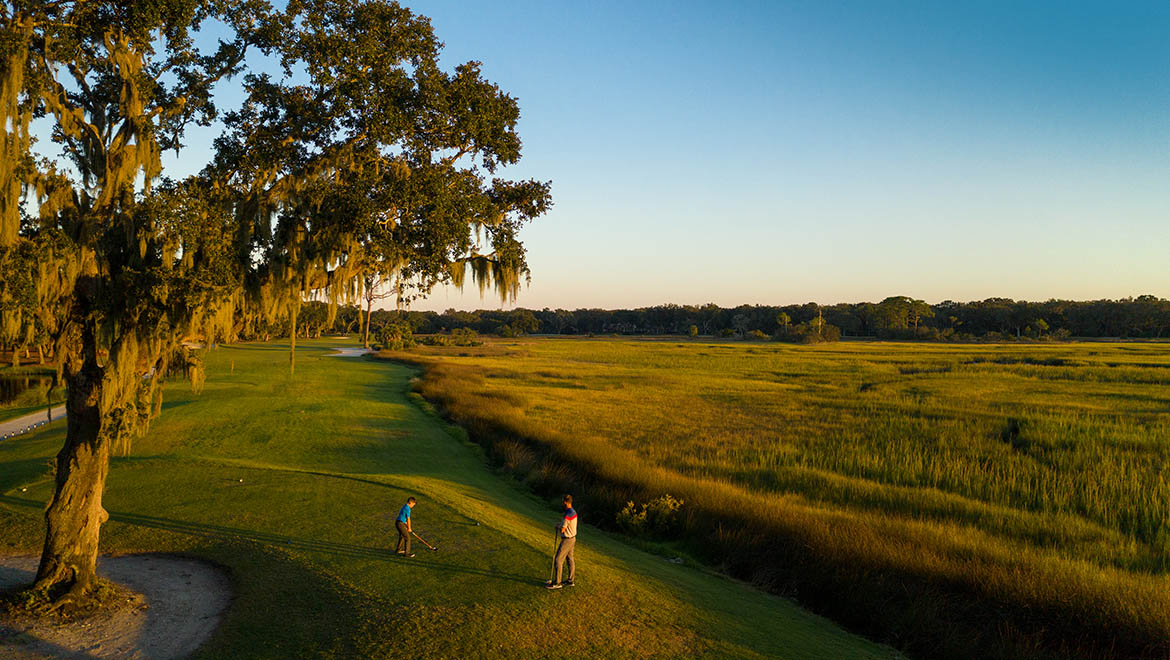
point(170, 606)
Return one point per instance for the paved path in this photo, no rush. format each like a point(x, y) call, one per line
point(14, 427)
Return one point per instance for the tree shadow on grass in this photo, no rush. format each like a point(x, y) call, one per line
point(19, 472)
point(333, 548)
point(170, 404)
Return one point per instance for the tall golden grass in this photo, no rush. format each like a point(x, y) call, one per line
point(973, 501)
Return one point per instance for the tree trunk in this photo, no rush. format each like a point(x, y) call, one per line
point(361, 320)
point(292, 347)
point(366, 333)
point(41, 354)
point(74, 517)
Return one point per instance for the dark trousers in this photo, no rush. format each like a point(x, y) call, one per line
point(403, 538)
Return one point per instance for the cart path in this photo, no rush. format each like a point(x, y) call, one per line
point(26, 423)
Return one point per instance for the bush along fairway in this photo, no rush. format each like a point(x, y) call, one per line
point(292, 483)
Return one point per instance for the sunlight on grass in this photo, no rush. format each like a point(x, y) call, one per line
point(1024, 476)
point(292, 485)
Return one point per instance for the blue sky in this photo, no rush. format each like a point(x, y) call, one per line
point(783, 152)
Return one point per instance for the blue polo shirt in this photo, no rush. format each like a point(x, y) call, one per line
point(404, 514)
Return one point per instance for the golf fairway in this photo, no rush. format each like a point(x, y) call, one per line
point(291, 483)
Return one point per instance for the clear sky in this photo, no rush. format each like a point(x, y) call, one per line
point(779, 152)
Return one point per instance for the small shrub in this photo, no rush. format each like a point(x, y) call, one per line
point(657, 517)
point(630, 520)
point(757, 335)
point(395, 336)
point(813, 333)
point(662, 514)
point(436, 340)
point(457, 337)
point(465, 337)
point(693, 331)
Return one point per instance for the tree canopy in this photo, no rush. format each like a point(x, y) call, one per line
point(375, 165)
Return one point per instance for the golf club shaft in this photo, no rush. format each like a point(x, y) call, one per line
point(552, 570)
point(422, 541)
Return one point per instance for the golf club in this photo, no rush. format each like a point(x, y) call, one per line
point(553, 568)
point(429, 546)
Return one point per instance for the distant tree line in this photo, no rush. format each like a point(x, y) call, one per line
point(896, 317)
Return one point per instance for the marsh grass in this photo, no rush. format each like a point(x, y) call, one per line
point(959, 501)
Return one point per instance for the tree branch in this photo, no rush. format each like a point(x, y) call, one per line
point(68, 115)
point(463, 151)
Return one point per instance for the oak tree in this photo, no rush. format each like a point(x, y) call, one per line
point(373, 164)
point(362, 153)
point(121, 265)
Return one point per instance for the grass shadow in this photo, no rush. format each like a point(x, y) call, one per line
point(21, 472)
point(333, 548)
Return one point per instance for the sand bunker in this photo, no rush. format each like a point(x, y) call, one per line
point(349, 352)
point(175, 606)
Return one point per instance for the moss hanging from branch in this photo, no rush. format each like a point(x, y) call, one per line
point(14, 120)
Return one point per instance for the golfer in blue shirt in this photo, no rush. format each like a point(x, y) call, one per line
point(404, 529)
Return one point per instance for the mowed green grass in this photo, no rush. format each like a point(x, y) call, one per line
point(1033, 474)
point(292, 483)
